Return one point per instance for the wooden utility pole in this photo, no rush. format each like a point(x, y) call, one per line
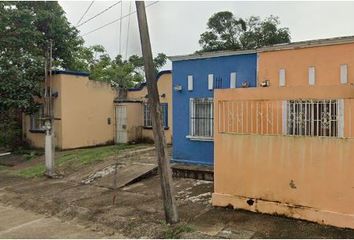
point(156, 115)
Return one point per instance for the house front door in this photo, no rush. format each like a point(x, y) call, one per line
point(121, 116)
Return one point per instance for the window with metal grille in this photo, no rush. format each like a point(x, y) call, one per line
point(201, 117)
point(314, 118)
point(35, 120)
point(147, 115)
point(218, 83)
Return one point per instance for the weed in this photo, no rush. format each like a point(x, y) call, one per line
point(175, 231)
point(74, 159)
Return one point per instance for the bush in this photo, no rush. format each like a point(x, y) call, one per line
point(10, 130)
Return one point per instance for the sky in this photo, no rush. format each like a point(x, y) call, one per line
point(175, 27)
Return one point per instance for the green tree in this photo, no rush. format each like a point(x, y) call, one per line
point(264, 33)
point(223, 32)
point(120, 73)
point(25, 31)
point(226, 32)
point(123, 73)
point(86, 57)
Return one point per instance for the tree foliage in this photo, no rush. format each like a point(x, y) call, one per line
point(25, 31)
point(226, 32)
point(120, 73)
point(26, 28)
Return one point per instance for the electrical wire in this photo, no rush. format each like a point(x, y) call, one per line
point(126, 45)
point(83, 15)
point(98, 14)
point(116, 20)
point(120, 30)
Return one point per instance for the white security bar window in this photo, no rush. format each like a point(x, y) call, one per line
point(35, 121)
point(343, 73)
point(282, 77)
point(233, 80)
point(210, 81)
point(190, 83)
point(315, 118)
point(312, 76)
point(201, 117)
point(147, 115)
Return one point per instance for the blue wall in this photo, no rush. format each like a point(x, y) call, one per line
point(202, 152)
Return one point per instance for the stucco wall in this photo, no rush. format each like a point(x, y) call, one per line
point(36, 139)
point(164, 84)
point(325, 59)
point(301, 177)
point(86, 107)
point(201, 152)
point(297, 176)
point(229, 101)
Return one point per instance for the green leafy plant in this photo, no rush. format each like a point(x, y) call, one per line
point(227, 32)
point(175, 231)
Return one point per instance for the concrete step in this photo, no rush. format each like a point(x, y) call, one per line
point(201, 172)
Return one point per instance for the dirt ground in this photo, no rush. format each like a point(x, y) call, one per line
point(135, 211)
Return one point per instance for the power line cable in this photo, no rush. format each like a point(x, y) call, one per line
point(116, 20)
point(98, 14)
point(120, 30)
point(83, 15)
point(126, 45)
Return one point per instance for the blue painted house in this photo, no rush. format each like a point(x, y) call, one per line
point(194, 78)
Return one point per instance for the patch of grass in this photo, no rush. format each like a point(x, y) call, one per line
point(31, 155)
point(33, 171)
point(75, 159)
point(175, 231)
point(3, 168)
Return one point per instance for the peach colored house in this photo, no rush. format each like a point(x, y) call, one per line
point(84, 109)
point(289, 148)
point(133, 114)
point(89, 113)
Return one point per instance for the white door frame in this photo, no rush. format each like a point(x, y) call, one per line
point(121, 124)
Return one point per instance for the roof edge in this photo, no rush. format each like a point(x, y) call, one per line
point(70, 72)
point(210, 55)
point(143, 84)
point(308, 43)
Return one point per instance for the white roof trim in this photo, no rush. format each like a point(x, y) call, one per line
point(210, 55)
point(307, 44)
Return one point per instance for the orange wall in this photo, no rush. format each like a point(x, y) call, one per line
point(325, 59)
point(302, 177)
point(231, 101)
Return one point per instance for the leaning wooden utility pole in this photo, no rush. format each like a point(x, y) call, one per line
point(156, 115)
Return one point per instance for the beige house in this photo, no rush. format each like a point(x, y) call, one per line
point(133, 114)
point(89, 113)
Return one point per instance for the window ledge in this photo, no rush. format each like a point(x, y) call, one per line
point(165, 128)
point(37, 131)
point(199, 138)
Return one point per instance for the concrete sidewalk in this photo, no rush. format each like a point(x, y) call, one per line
point(18, 223)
